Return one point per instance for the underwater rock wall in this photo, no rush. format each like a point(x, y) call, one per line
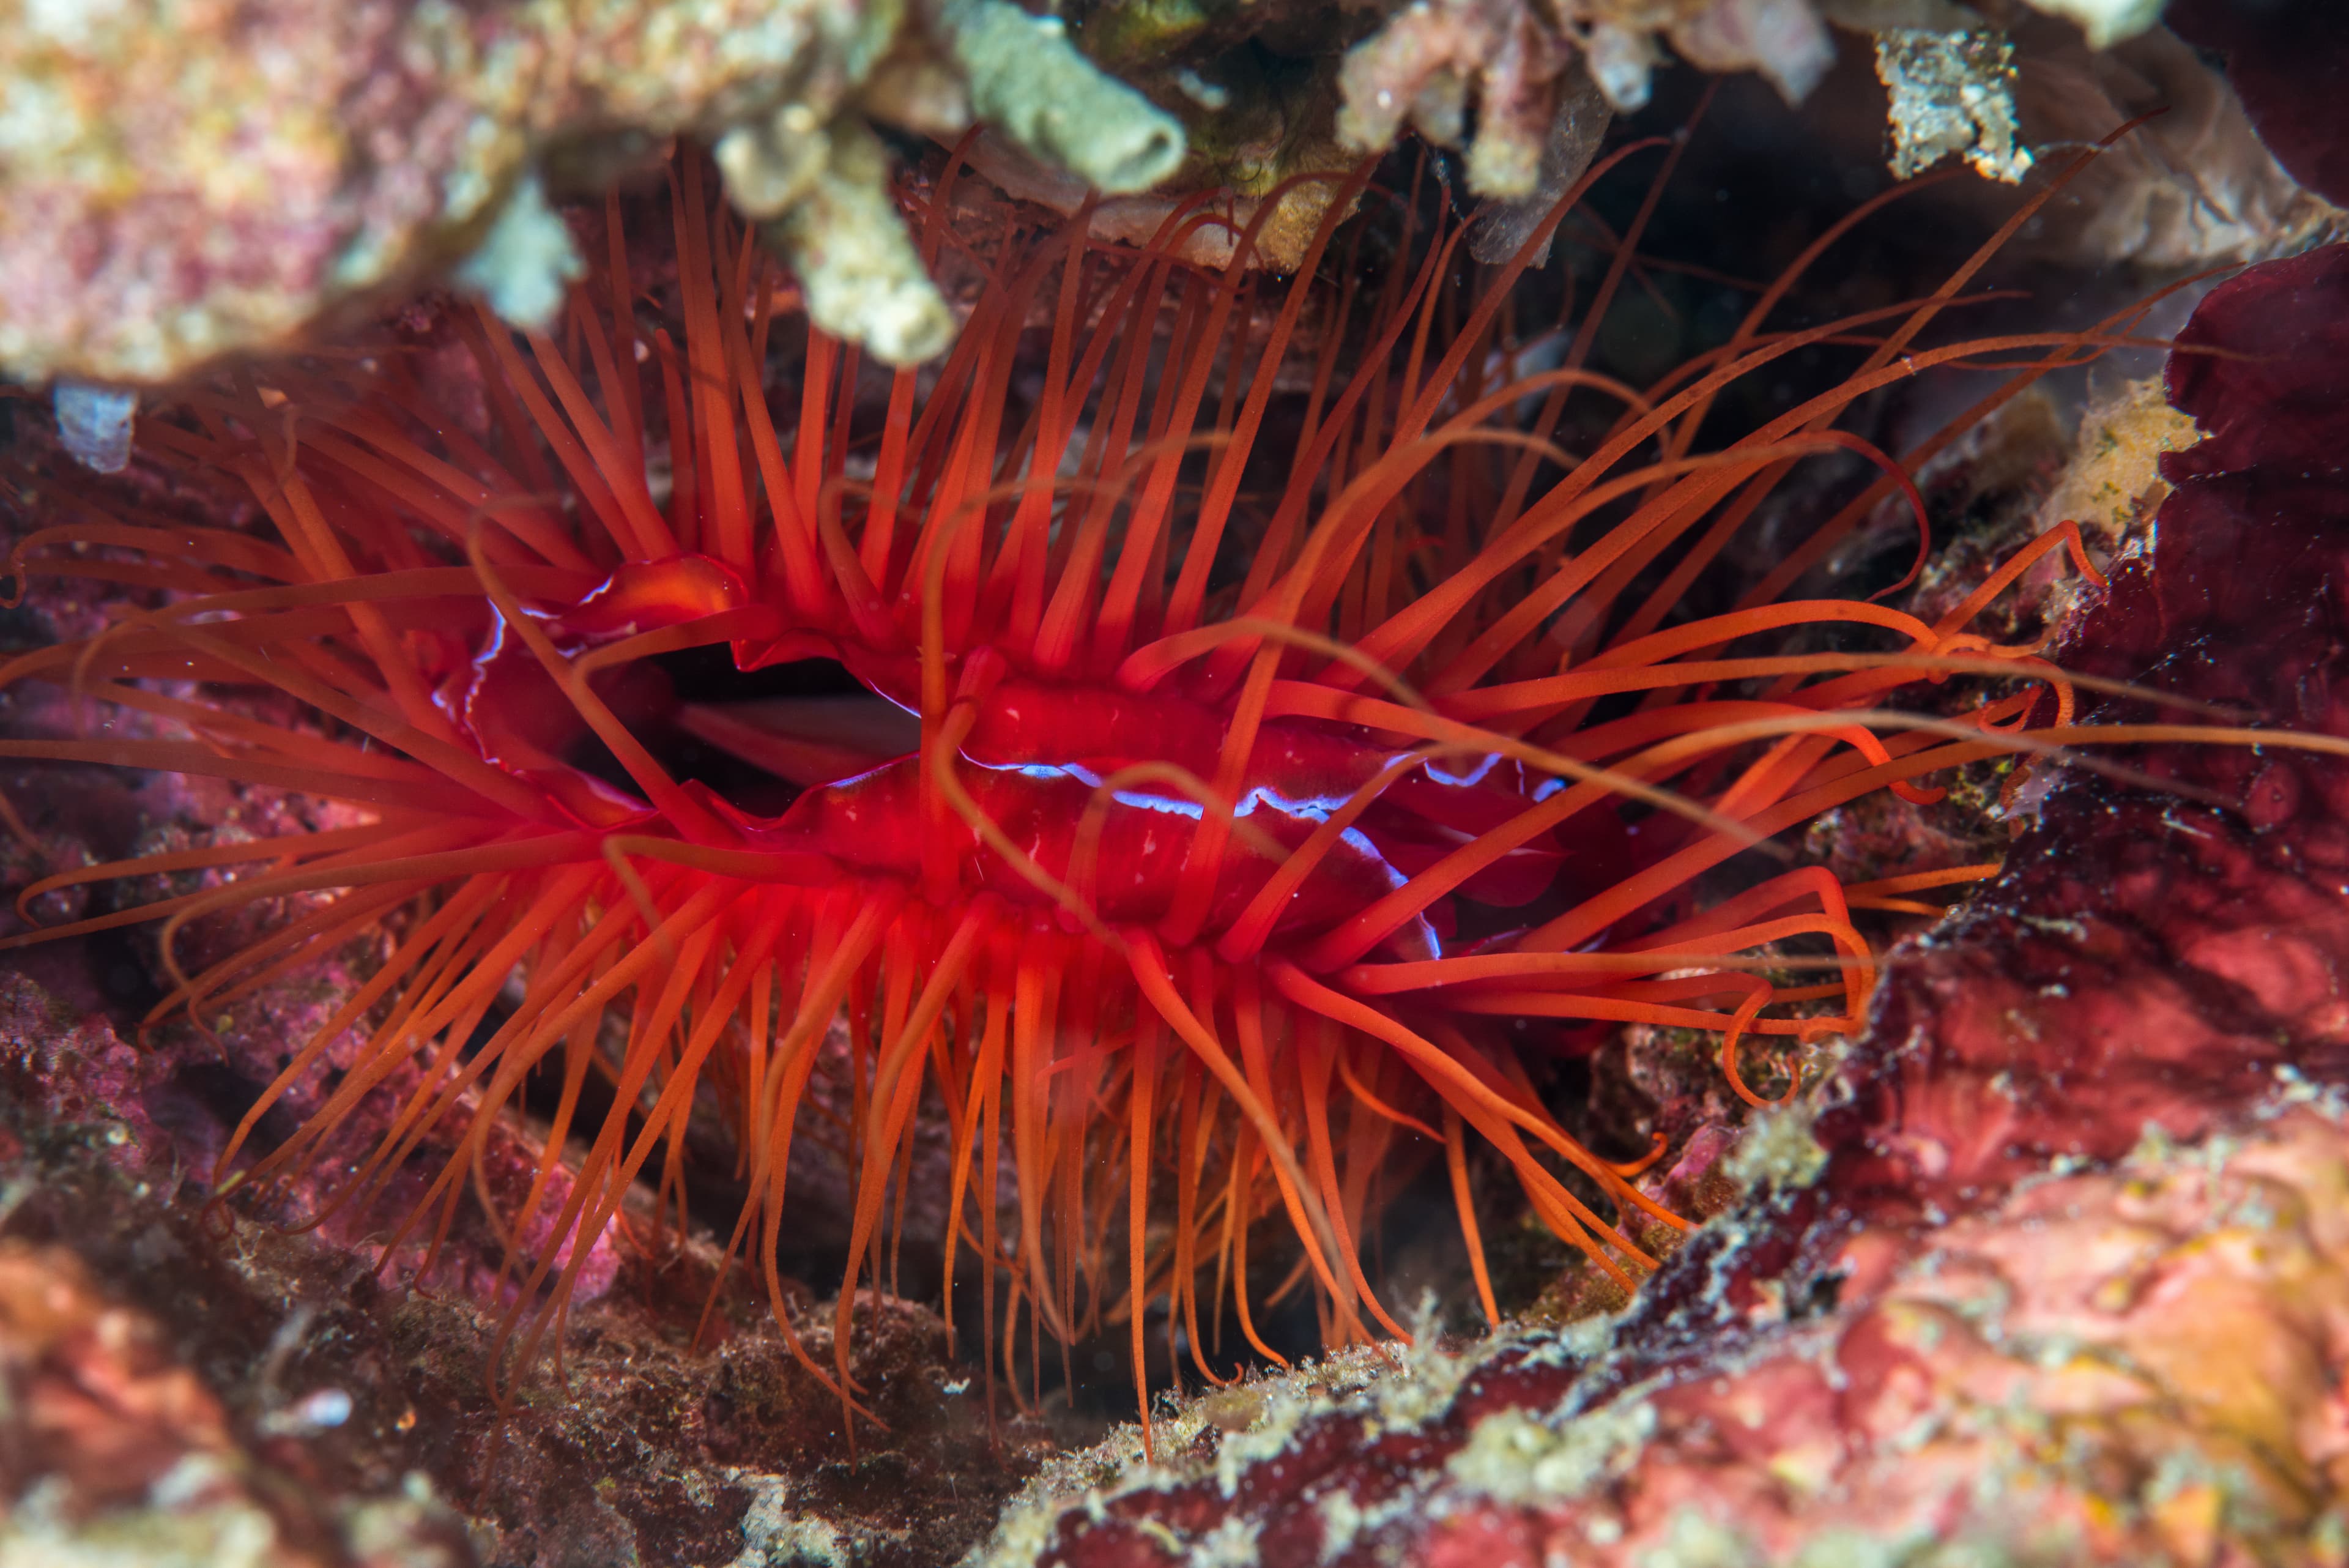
point(189, 181)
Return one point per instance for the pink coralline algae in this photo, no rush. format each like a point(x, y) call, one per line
point(2139, 1364)
point(190, 182)
point(2058, 1271)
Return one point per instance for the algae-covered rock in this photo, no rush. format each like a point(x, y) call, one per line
point(185, 180)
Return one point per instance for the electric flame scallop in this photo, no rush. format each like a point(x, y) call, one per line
point(1242, 815)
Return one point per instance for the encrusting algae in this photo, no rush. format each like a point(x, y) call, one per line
point(195, 183)
point(199, 183)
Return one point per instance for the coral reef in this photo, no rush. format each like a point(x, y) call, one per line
point(195, 182)
point(2056, 1272)
point(189, 181)
point(198, 182)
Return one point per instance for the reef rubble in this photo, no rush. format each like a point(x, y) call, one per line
point(186, 183)
point(194, 183)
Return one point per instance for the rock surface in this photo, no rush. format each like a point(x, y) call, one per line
point(187, 180)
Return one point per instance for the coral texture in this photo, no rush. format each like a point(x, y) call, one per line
point(2137, 1365)
point(2057, 1274)
point(189, 180)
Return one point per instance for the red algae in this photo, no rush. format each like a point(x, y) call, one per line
point(2290, 63)
point(2193, 945)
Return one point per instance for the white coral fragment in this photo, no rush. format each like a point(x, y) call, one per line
point(1622, 62)
point(1783, 39)
point(862, 278)
point(525, 263)
point(769, 164)
point(1029, 82)
point(1951, 93)
point(94, 423)
point(2105, 22)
